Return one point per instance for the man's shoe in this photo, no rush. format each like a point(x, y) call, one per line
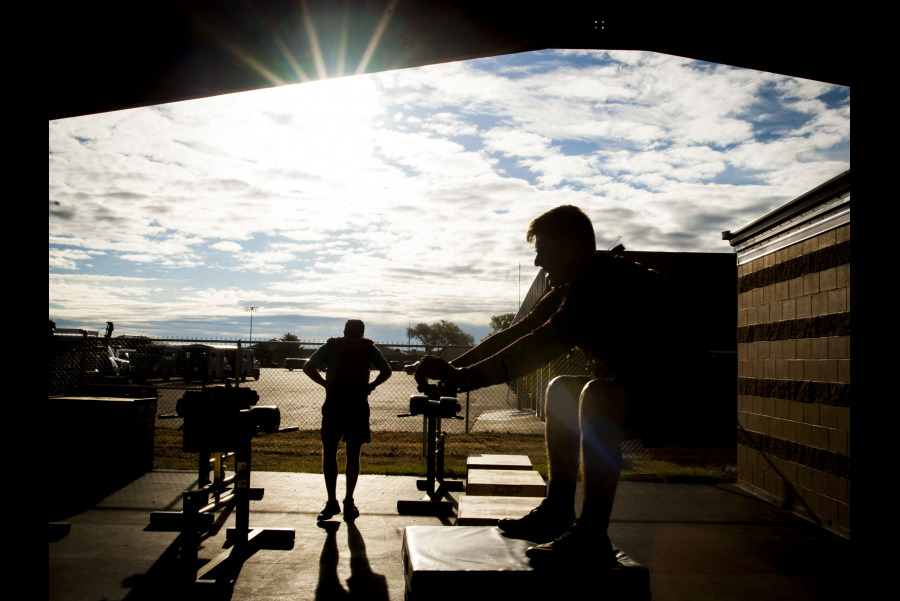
point(579, 546)
point(545, 523)
point(351, 512)
point(332, 508)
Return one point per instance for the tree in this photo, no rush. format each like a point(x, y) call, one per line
point(290, 337)
point(439, 334)
point(501, 322)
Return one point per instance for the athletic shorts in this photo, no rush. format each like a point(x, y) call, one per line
point(346, 421)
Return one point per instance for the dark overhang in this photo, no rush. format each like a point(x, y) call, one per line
point(104, 56)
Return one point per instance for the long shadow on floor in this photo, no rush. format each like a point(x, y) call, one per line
point(363, 582)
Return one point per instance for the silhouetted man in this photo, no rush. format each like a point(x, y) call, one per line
point(345, 413)
point(602, 304)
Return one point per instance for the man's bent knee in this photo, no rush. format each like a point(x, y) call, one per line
point(605, 398)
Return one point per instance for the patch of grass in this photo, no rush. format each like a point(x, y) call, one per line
point(389, 453)
point(401, 454)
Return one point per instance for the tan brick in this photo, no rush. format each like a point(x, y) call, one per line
point(810, 245)
point(758, 423)
point(819, 438)
point(819, 482)
point(804, 348)
point(844, 515)
point(775, 311)
point(768, 369)
point(804, 433)
point(838, 347)
point(795, 287)
point(813, 501)
point(838, 441)
point(789, 470)
point(752, 316)
point(782, 291)
point(819, 303)
point(775, 427)
point(811, 370)
point(804, 306)
point(828, 238)
point(769, 406)
point(837, 300)
point(776, 349)
point(756, 297)
point(828, 416)
point(828, 370)
point(811, 283)
point(776, 464)
point(829, 509)
point(796, 411)
point(804, 476)
point(789, 430)
point(843, 370)
point(818, 348)
point(843, 415)
point(789, 349)
point(789, 308)
point(758, 478)
point(828, 279)
point(838, 489)
point(752, 457)
point(782, 369)
point(843, 275)
point(811, 413)
point(756, 405)
point(751, 350)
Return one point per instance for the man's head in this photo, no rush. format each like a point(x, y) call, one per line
point(563, 239)
point(354, 330)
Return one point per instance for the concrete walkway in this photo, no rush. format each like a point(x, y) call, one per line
point(699, 542)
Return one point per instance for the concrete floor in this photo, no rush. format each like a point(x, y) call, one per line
point(698, 541)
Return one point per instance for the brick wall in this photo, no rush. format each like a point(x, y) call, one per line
point(794, 376)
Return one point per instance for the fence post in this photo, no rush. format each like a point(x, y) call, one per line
point(237, 365)
point(467, 412)
point(83, 362)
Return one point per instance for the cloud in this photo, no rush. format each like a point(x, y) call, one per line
point(407, 193)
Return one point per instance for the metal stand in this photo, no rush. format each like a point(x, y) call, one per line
point(218, 422)
point(434, 406)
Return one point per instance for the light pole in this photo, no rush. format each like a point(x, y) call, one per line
point(251, 310)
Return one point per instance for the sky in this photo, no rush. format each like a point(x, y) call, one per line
point(403, 197)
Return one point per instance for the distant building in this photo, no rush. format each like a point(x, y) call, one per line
point(793, 335)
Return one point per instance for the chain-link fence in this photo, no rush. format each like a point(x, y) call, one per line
point(505, 418)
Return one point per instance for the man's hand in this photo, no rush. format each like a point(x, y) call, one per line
point(435, 368)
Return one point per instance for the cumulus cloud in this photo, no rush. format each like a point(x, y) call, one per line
point(405, 195)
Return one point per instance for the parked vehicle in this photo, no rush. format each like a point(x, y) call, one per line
point(248, 364)
point(203, 362)
point(293, 363)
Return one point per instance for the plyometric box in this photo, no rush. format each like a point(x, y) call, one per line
point(506, 483)
point(498, 462)
point(479, 563)
point(487, 511)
